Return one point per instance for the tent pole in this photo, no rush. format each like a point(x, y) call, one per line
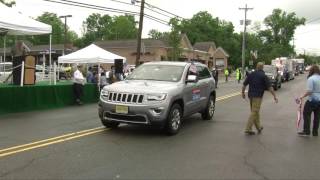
point(22, 74)
point(99, 77)
point(54, 75)
point(4, 54)
point(50, 72)
point(59, 67)
point(44, 66)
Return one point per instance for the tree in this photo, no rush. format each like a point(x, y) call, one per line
point(98, 27)
point(280, 31)
point(8, 3)
point(123, 27)
point(203, 27)
point(174, 40)
point(57, 31)
point(155, 34)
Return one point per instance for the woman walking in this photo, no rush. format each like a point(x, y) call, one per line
point(313, 102)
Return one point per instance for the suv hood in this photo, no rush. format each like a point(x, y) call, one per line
point(141, 86)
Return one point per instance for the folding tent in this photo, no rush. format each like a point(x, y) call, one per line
point(15, 23)
point(91, 54)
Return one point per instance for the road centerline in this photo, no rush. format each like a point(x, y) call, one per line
point(70, 136)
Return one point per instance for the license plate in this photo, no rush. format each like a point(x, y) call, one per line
point(122, 109)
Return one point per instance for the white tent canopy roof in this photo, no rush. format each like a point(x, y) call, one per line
point(91, 54)
point(14, 23)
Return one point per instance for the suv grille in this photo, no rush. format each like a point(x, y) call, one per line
point(125, 98)
point(126, 118)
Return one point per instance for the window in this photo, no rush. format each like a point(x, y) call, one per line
point(157, 73)
point(203, 72)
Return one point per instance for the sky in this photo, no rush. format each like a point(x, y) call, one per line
point(307, 37)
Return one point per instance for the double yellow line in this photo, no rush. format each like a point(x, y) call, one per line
point(50, 141)
point(68, 137)
point(227, 96)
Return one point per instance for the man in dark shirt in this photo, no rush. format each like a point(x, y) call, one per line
point(258, 82)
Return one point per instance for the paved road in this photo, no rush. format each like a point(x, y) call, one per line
point(215, 149)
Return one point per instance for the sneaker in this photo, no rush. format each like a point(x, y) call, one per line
point(260, 130)
point(250, 133)
point(303, 133)
point(315, 133)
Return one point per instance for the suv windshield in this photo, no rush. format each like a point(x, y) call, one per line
point(157, 73)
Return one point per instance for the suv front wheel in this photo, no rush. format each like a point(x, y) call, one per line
point(208, 113)
point(174, 120)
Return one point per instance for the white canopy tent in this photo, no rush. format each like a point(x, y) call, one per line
point(91, 54)
point(15, 23)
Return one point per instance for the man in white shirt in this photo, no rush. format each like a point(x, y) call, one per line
point(78, 82)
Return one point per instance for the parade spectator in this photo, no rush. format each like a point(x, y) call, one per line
point(90, 76)
point(226, 73)
point(215, 74)
point(313, 102)
point(78, 83)
point(103, 80)
point(238, 75)
point(110, 76)
point(68, 70)
point(258, 82)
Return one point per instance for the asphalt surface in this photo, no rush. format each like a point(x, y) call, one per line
point(216, 149)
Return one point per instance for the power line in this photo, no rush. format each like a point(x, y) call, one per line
point(313, 20)
point(112, 9)
point(136, 13)
point(306, 32)
point(150, 5)
point(90, 6)
point(144, 7)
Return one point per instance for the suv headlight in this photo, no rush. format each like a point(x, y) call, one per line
point(156, 97)
point(104, 94)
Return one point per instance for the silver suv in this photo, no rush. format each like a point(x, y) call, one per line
point(159, 94)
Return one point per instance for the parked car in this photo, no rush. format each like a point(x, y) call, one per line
point(273, 75)
point(159, 94)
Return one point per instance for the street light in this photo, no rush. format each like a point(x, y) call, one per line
point(65, 31)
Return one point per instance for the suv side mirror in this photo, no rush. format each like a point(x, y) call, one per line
point(192, 79)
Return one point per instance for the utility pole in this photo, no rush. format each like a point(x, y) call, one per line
point(294, 51)
point(140, 31)
point(244, 35)
point(65, 31)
